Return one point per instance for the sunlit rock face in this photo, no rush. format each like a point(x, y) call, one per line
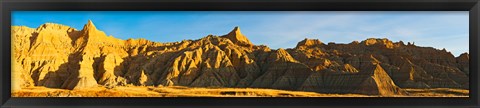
point(58, 56)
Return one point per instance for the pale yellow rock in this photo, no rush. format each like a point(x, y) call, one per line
point(309, 43)
point(237, 37)
point(58, 56)
point(384, 42)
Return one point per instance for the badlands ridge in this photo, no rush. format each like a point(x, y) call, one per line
point(60, 57)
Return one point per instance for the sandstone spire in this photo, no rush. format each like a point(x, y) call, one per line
point(92, 34)
point(89, 29)
point(89, 26)
point(237, 37)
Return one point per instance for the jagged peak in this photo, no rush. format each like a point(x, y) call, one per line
point(236, 28)
point(309, 42)
point(282, 55)
point(400, 43)
point(237, 37)
point(464, 55)
point(89, 26)
point(91, 35)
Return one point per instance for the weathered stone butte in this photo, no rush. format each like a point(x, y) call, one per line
point(58, 56)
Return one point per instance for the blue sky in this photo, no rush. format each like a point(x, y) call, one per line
point(276, 29)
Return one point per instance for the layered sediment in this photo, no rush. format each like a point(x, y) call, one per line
point(58, 56)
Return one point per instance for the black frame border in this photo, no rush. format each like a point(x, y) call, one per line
point(473, 6)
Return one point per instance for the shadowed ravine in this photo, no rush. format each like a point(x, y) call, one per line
point(86, 63)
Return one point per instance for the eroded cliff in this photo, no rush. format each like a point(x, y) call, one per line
point(58, 56)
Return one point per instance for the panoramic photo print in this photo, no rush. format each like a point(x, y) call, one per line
point(240, 54)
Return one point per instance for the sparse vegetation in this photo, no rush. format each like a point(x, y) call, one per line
point(180, 91)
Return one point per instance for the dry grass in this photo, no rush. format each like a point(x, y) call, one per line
point(238, 92)
point(438, 92)
point(91, 92)
point(179, 91)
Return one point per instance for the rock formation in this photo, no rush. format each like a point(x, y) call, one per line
point(237, 37)
point(58, 56)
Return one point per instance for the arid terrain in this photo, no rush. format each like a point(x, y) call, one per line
point(180, 91)
point(56, 60)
